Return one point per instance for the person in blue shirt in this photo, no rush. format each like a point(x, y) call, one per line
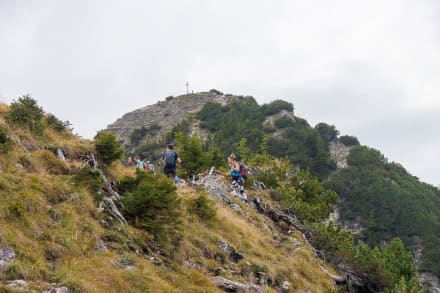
point(139, 163)
point(237, 179)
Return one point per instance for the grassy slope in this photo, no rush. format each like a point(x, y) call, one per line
point(54, 226)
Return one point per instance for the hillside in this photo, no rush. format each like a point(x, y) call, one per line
point(377, 199)
point(59, 231)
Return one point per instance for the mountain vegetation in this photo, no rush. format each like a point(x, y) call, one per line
point(74, 217)
point(380, 200)
point(59, 231)
point(388, 202)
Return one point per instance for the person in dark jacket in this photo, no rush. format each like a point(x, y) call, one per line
point(171, 160)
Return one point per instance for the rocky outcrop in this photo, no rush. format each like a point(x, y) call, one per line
point(233, 286)
point(166, 114)
point(270, 120)
point(432, 281)
point(233, 254)
point(55, 289)
point(339, 153)
point(6, 257)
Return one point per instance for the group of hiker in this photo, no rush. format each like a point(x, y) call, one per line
point(141, 164)
point(172, 160)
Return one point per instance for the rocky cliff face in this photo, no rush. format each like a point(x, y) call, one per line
point(166, 113)
point(339, 153)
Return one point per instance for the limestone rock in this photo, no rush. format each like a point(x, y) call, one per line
point(166, 114)
point(19, 284)
point(55, 289)
point(124, 263)
point(233, 286)
point(6, 256)
point(270, 120)
point(285, 286)
point(432, 281)
point(339, 153)
point(233, 254)
point(215, 187)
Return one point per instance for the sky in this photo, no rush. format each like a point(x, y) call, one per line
point(371, 68)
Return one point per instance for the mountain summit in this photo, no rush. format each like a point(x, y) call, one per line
point(164, 115)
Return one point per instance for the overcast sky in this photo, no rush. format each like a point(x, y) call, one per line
point(372, 68)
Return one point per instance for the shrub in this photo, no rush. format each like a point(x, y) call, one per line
point(108, 149)
point(269, 178)
point(153, 205)
point(348, 140)
point(26, 112)
point(5, 142)
point(276, 107)
point(137, 135)
point(16, 209)
point(327, 132)
point(203, 207)
point(215, 92)
point(363, 156)
point(53, 122)
point(89, 179)
point(283, 122)
point(194, 159)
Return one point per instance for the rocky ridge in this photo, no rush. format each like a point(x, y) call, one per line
point(166, 114)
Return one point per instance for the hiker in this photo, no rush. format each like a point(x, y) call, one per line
point(130, 162)
point(237, 178)
point(138, 163)
point(171, 159)
point(150, 166)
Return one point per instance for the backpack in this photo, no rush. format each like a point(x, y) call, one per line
point(151, 167)
point(243, 171)
point(170, 159)
point(146, 167)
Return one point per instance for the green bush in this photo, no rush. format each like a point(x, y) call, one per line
point(26, 112)
point(382, 269)
point(90, 179)
point(365, 156)
point(53, 122)
point(348, 140)
point(283, 122)
point(276, 107)
point(5, 141)
point(153, 204)
point(16, 209)
point(328, 132)
point(108, 149)
point(194, 159)
point(269, 178)
point(203, 207)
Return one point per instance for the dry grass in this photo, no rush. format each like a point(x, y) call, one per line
point(4, 108)
point(54, 226)
point(246, 233)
